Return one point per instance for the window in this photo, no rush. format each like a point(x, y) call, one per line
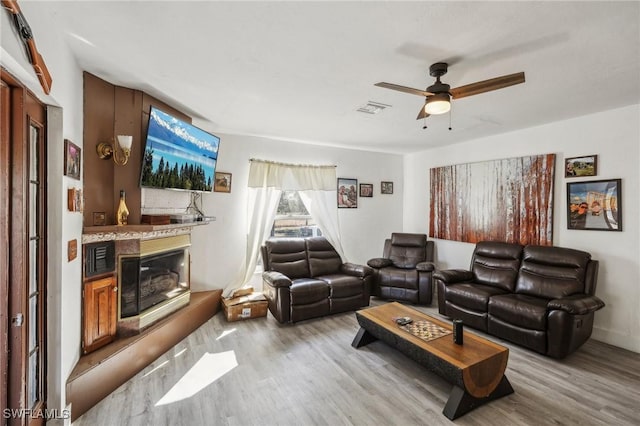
point(293, 219)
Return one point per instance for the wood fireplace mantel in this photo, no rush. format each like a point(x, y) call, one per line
point(93, 234)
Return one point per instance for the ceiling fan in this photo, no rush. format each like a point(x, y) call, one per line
point(438, 95)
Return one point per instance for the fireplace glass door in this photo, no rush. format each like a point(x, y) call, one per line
point(150, 280)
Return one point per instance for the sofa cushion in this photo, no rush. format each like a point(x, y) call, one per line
point(469, 317)
point(496, 264)
point(532, 339)
point(407, 250)
point(311, 310)
point(342, 285)
point(308, 290)
point(396, 277)
point(288, 256)
point(552, 272)
point(343, 304)
point(520, 310)
point(471, 295)
point(323, 258)
point(394, 293)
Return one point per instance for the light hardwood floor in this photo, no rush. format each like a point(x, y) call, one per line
point(308, 374)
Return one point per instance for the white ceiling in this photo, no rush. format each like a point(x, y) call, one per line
point(299, 70)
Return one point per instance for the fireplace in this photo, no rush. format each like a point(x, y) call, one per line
point(153, 282)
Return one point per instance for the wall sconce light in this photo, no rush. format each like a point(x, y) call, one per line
point(107, 150)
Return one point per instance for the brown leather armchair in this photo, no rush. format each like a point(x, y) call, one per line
point(404, 271)
point(305, 278)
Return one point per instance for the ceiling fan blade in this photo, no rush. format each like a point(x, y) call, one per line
point(403, 89)
point(487, 85)
point(422, 114)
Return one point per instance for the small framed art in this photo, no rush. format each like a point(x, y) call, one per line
point(75, 200)
point(99, 218)
point(386, 187)
point(366, 190)
point(581, 166)
point(347, 193)
point(595, 205)
point(222, 182)
point(72, 159)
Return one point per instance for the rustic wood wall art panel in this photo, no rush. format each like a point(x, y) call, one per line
point(500, 200)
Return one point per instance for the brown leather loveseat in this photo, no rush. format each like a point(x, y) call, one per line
point(542, 298)
point(305, 278)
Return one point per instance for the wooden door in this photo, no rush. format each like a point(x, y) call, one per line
point(5, 231)
point(99, 313)
point(23, 230)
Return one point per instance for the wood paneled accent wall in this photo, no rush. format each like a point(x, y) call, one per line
point(111, 110)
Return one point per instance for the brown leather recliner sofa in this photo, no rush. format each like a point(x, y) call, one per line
point(305, 278)
point(540, 297)
point(404, 272)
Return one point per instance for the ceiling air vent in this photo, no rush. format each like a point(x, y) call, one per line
point(373, 107)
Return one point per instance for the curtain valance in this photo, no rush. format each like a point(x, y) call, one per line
point(291, 177)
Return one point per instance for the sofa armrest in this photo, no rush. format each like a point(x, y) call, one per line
point(577, 304)
point(379, 262)
point(356, 270)
point(426, 267)
point(276, 279)
point(452, 276)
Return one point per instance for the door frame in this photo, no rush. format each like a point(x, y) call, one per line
point(24, 110)
point(5, 162)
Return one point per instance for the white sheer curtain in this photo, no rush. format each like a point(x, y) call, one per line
point(322, 206)
point(263, 203)
point(267, 180)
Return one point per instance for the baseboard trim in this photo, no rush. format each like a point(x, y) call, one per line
point(616, 338)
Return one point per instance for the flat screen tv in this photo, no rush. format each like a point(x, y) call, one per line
point(178, 155)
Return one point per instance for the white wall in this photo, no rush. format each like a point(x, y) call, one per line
point(219, 247)
point(615, 137)
point(65, 122)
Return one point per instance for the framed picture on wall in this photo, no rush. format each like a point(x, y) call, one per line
point(595, 205)
point(581, 166)
point(99, 218)
point(347, 193)
point(366, 190)
point(386, 187)
point(471, 222)
point(72, 159)
point(222, 182)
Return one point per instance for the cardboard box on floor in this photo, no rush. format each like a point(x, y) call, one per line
point(245, 304)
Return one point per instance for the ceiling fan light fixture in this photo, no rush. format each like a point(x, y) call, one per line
point(437, 104)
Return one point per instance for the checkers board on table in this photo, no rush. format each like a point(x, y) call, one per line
point(426, 330)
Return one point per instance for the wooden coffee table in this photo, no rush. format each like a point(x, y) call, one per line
point(476, 368)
